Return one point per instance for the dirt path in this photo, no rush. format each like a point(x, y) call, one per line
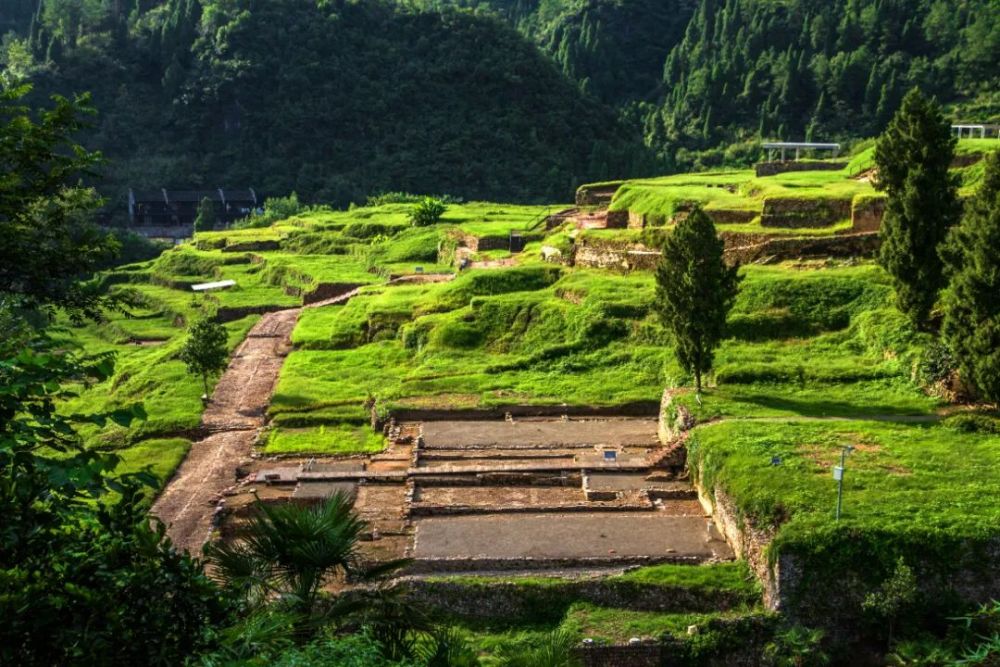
point(233, 419)
point(235, 416)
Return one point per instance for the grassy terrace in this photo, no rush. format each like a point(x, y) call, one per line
point(804, 340)
point(816, 357)
point(361, 246)
point(742, 191)
point(546, 604)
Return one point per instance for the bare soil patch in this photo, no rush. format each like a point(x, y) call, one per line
point(540, 433)
point(566, 537)
point(190, 500)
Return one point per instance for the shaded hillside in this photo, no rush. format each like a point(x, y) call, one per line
point(335, 100)
point(819, 68)
point(614, 49)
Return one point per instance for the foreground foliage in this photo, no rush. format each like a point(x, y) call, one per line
point(971, 326)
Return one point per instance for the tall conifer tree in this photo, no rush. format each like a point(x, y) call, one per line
point(972, 303)
point(913, 157)
point(694, 292)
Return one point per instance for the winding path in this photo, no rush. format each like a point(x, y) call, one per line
point(233, 419)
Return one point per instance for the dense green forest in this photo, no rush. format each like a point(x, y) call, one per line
point(503, 99)
point(750, 69)
point(333, 100)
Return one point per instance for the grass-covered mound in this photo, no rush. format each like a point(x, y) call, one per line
point(743, 202)
point(802, 340)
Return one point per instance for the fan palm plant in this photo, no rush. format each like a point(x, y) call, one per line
point(289, 552)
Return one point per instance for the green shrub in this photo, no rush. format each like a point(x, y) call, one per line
point(428, 211)
point(974, 423)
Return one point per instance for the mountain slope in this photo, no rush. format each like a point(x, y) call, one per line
point(818, 68)
point(335, 100)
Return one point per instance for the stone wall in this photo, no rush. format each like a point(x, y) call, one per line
point(324, 291)
point(744, 248)
point(784, 248)
point(798, 213)
point(402, 413)
point(618, 220)
point(252, 246)
point(867, 214)
point(773, 168)
point(639, 258)
point(674, 420)
point(483, 601)
point(598, 194)
point(731, 217)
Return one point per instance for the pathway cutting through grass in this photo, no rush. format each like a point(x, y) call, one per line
point(233, 421)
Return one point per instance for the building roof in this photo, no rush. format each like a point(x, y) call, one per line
point(193, 196)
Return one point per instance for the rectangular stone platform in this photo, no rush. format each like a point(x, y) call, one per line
point(553, 434)
point(567, 537)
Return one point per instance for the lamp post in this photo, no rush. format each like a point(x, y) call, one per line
point(838, 474)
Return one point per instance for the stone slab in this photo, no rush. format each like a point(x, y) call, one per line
point(552, 434)
point(561, 537)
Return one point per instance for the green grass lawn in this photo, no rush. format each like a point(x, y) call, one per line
point(903, 478)
point(802, 340)
point(151, 375)
point(338, 440)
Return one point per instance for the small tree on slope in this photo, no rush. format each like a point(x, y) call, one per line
point(206, 219)
point(913, 156)
point(205, 352)
point(694, 292)
point(972, 303)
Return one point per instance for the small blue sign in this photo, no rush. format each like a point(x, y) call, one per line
point(610, 455)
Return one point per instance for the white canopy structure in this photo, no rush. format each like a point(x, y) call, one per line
point(798, 147)
point(983, 130)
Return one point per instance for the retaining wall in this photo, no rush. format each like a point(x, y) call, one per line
point(325, 291)
point(744, 248)
point(511, 600)
point(401, 414)
point(598, 194)
point(779, 248)
point(867, 213)
point(799, 213)
point(763, 169)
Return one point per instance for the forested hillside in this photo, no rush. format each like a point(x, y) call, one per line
point(500, 99)
point(750, 69)
point(613, 49)
point(334, 100)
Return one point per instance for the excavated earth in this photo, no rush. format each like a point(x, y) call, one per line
point(234, 416)
point(554, 493)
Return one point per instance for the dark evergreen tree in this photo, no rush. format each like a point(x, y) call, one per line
point(206, 218)
point(912, 158)
point(695, 291)
point(971, 327)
